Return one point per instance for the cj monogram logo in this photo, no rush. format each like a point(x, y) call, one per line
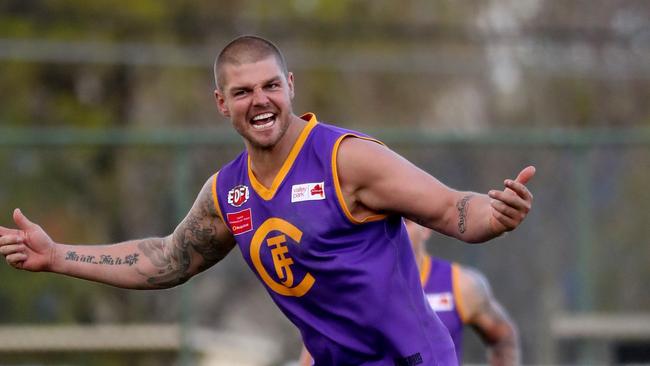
point(282, 264)
point(279, 251)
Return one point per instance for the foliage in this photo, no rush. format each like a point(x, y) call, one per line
point(446, 65)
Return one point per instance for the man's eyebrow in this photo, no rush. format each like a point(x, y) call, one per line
point(247, 87)
point(238, 88)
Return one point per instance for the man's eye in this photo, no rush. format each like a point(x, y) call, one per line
point(239, 93)
point(273, 86)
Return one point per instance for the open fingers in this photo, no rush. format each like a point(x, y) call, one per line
point(508, 222)
point(7, 231)
point(510, 206)
point(510, 212)
point(12, 248)
point(525, 174)
point(513, 201)
point(11, 239)
point(519, 189)
point(16, 260)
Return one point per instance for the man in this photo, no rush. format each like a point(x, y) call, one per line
point(461, 296)
point(316, 211)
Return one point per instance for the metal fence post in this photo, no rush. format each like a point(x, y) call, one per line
point(181, 205)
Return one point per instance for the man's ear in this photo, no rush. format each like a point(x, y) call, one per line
point(221, 103)
point(290, 84)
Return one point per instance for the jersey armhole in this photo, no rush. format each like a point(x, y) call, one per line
point(425, 271)
point(458, 296)
point(215, 200)
point(337, 184)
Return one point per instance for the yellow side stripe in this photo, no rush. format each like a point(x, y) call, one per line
point(425, 270)
point(458, 297)
point(215, 199)
point(337, 184)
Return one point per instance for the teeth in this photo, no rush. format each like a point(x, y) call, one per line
point(267, 124)
point(262, 116)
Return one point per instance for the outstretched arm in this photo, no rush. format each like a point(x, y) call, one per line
point(489, 319)
point(374, 180)
point(198, 242)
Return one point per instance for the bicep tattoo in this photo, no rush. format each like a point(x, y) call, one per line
point(463, 206)
point(199, 233)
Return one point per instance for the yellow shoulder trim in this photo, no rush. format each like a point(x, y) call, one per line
point(458, 297)
point(425, 270)
point(215, 199)
point(268, 193)
point(337, 183)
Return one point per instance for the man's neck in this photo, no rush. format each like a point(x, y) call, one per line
point(266, 163)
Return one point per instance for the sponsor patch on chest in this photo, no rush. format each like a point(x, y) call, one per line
point(308, 192)
point(240, 222)
point(442, 301)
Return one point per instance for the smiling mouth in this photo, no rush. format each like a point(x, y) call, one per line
point(262, 121)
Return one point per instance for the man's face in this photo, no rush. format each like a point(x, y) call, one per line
point(257, 98)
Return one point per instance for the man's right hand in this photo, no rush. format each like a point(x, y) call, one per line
point(27, 247)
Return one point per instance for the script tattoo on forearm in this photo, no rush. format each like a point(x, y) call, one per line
point(106, 259)
point(197, 233)
point(463, 205)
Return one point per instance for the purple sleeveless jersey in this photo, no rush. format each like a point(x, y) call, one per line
point(352, 288)
point(439, 282)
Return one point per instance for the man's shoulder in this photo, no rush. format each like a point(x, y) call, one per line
point(472, 275)
point(335, 129)
point(473, 285)
point(325, 136)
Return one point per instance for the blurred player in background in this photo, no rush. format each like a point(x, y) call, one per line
point(461, 296)
point(317, 213)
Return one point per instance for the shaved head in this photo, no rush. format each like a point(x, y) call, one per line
point(246, 49)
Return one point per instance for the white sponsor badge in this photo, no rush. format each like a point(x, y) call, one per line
point(308, 192)
point(442, 301)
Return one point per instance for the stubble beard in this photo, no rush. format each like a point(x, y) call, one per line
point(268, 146)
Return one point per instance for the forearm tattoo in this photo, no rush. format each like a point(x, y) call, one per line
point(107, 259)
point(197, 233)
point(172, 263)
point(463, 206)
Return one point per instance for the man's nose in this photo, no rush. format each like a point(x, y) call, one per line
point(259, 97)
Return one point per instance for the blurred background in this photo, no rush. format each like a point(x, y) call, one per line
point(108, 129)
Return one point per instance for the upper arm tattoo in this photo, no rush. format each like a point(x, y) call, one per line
point(463, 206)
point(201, 233)
point(198, 233)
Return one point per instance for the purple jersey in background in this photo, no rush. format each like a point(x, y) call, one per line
point(352, 288)
point(440, 282)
